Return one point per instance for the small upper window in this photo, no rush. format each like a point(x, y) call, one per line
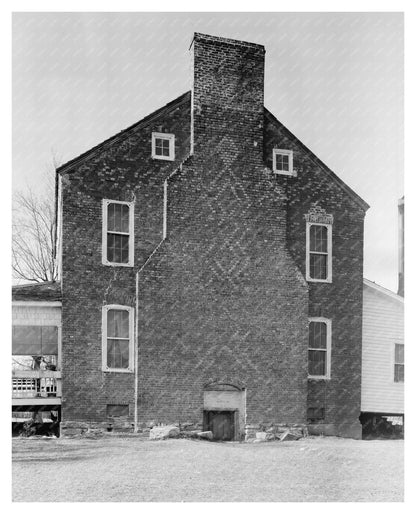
point(163, 146)
point(283, 162)
point(117, 233)
point(318, 252)
point(399, 362)
point(319, 350)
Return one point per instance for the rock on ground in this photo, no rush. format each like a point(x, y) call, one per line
point(164, 432)
point(205, 435)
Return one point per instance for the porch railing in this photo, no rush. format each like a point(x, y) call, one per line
point(36, 384)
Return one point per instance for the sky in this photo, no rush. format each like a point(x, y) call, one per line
point(333, 79)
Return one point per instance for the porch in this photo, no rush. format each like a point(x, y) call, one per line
point(36, 387)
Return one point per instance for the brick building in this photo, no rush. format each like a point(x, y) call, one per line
point(212, 267)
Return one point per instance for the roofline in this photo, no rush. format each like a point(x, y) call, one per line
point(68, 166)
point(33, 284)
point(228, 41)
point(383, 290)
point(351, 193)
point(36, 303)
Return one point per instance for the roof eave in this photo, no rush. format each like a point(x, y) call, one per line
point(350, 192)
point(68, 166)
point(383, 290)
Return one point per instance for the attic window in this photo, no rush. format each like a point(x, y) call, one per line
point(283, 162)
point(163, 146)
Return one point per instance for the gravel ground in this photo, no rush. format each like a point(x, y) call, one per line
point(133, 470)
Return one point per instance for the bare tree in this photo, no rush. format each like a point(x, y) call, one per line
point(34, 232)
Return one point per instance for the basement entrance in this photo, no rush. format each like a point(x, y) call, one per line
point(221, 424)
point(224, 411)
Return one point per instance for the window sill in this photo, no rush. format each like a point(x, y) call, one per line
point(285, 173)
point(327, 281)
point(118, 264)
point(111, 370)
point(318, 378)
point(162, 158)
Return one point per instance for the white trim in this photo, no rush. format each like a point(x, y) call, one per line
point(166, 137)
point(34, 303)
point(104, 260)
point(328, 323)
point(59, 230)
point(328, 280)
point(37, 401)
point(280, 151)
point(165, 209)
point(105, 310)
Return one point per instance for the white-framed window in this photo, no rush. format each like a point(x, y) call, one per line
point(163, 146)
point(283, 162)
point(318, 252)
point(118, 240)
point(399, 362)
point(118, 338)
point(319, 348)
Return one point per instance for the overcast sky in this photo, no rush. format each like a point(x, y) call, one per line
point(334, 79)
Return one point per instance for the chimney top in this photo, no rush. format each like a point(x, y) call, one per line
point(223, 40)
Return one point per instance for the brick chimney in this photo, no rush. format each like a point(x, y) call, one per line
point(227, 95)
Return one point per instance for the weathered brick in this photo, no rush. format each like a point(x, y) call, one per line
point(224, 298)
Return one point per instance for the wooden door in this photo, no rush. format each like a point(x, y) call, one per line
point(221, 424)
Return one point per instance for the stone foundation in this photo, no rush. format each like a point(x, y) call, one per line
point(85, 428)
point(100, 428)
point(273, 429)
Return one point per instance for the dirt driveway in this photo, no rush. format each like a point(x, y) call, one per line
point(134, 470)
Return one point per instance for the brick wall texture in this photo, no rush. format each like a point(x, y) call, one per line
point(224, 298)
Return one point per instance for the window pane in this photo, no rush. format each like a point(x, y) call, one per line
point(117, 353)
point(162, 147)
point(399, 353)
point(399, 372)
point(318, 238)
point(317, 362)
point(27, 340)
point(118, 323)
point(317, 334)
point(125, 212)
point(49, 340)
point(117, 248)
point(111, 216)
point(318, 266)
point(118, 217)
point(165, 145)
point(282, 162)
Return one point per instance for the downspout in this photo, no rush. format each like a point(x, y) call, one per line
point(55, 229)
point(136, 355)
